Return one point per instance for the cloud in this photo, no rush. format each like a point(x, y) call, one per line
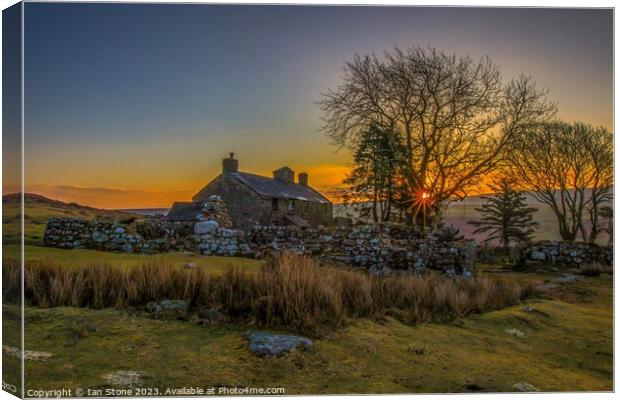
point(108, 197)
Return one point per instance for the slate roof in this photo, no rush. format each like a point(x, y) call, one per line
point(184, 211)
point(271, 187)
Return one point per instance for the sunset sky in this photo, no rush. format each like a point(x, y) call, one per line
point(135, 105)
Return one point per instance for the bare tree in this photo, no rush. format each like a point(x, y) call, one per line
point(569, 168)
point(599, 145)
point(454, 116)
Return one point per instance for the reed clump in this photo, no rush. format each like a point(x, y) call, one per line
point(289, 290)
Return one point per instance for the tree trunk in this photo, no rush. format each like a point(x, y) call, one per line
point(375, 217)
point(594, 220)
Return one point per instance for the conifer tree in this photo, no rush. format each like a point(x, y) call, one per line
point(505, 216)
point(373, 182)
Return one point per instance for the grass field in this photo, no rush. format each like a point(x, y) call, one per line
point(81, 257)
point(566, 345)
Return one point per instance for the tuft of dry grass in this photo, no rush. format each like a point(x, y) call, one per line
point(290, 290)
point(595, 269)
point(11, 281)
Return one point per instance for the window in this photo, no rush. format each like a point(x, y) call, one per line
point(274, 204)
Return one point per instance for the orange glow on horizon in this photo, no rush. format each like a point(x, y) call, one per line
point(324, 178)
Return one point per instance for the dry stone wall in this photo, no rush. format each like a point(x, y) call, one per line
point(382, 250)
point(566, 253)
point(209, 234)
point(212, 239)
point(213, 234)
point(146, 237)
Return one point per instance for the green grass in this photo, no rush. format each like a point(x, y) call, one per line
point(567, 347)
point(81, 257)
point(567, 344)
point(38, 210)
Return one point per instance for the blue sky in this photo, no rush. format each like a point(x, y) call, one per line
point(147, 99)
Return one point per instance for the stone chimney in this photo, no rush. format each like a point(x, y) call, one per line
point(302, 178)
point(230, 164)
point(284, 174)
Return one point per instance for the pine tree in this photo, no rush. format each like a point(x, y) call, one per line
point(505, 216)
point(372, 184)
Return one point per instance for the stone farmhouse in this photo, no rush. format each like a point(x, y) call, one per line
point(254, 199)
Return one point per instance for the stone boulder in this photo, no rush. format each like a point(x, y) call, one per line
point(204, 227)
point(168, 309)
point(271, 344)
